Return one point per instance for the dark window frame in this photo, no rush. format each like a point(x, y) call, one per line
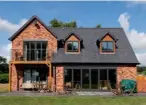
point(41, 49)
point(107, 46)
point(72, 47)
point(90, 69)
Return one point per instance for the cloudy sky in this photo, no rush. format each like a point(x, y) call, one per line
point(131, 16)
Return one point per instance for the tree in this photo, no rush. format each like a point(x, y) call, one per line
point(98, 26)
point(56, 23)
point(3, 65)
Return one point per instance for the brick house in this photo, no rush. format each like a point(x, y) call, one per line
point(85, 58)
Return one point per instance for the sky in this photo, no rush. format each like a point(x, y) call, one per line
point(131, 16)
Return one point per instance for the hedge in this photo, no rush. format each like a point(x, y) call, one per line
point(4, 78)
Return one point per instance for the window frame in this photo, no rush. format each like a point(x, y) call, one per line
point(30, 49)
point(108, 51)
point(72, 47)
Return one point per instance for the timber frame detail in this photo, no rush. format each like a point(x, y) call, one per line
point(48, 63)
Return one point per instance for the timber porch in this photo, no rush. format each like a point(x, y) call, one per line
point(29, 72)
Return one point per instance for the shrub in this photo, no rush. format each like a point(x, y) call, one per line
point(4, 78)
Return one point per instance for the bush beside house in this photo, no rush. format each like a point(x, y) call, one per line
point(3, 70)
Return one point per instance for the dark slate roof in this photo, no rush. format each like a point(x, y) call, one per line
point(89, 37)
point(90, 53)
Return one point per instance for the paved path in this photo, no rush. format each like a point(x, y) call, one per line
point(94, 93)
point(35, 94)
point(31, 94)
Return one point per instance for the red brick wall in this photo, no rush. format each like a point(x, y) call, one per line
point(60, 79)
point(13, 78)
point(126, 72)
point(30, 32)
point(16, 77)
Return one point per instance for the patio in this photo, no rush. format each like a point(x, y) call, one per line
point(78, 93)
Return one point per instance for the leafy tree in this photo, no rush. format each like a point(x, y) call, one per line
point(3, 65)
point(70, 24)
point(98, 26)
point(56, 23)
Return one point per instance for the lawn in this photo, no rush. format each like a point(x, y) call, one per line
point(3, 88)
point(72, 100)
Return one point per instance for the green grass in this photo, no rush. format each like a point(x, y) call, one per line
point(72, 100)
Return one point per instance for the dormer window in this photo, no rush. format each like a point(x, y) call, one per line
point(72, 46)
point(107, 46)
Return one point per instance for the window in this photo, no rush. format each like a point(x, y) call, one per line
point(72, 46)
point(107, 46)
point(35, 50)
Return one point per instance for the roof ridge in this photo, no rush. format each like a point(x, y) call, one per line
point(86, 28)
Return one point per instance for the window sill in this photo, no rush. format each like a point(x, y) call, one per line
point(107, 53)
point(72, 52)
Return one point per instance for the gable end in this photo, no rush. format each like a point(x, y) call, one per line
point(33, 18)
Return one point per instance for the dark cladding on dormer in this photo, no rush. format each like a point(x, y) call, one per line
point(102, 37)
point(112, 36)
point(62, 42)
point(74, 34)
point(107, 43)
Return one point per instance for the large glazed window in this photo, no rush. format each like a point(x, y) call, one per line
point(72, 46)
point(35, 74)
point(89, 78)
point(107, 46)
point(35, 50)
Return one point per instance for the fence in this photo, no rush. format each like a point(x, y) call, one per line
point(141, 83)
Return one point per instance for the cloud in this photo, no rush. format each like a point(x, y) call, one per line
point(142, 58)
point(133, 3)
point(137, 39)
point(9, 27)
point(5, 51)
point(124, 21)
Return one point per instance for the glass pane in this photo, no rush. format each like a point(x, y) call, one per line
point(38, 45)
point(110, 46)
point(38, 54)
point(35, 74)
point(44, 45)
point(26, 45)
point(32, 45)
point(68, 77)
point(103, 79)
point(32, 54)
point(104, 46)
point(43, 75)
point(112, 77)
point(69, 46)
point(85, 78)
point(27, 76)
point(75, 46)
point(43, 54)
point(28, 55)
point(94, 78)
point(77, 78)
